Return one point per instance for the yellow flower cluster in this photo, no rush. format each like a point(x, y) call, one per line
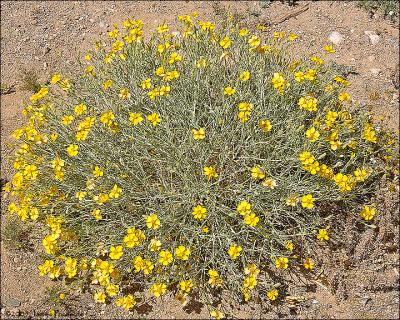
point(175, 162)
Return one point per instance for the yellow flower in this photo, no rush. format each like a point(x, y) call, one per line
point(72, 150)
point(112, 289)
point(310, 74)
point(199, 212)
point(307, 201)
point(165, 257)
point(244, 76)
point(369, 133)
point(281, 263)
point(135, 118)
point(308, 264)
point(97, 172)
point(158, 289)
point(99, 297)
point(80, 195)
point(198, 134)
point(139, 263)
point(55, 78)
point(216, 314)
point(322, 235)
point(154, 118)
point(67, 120)
point(244, 207)
point(205, 229)
point(201, 63)
point(116, 252)
point(251, 219)
point(228, 91)
point(31, 172)
point(361, 174)
point(174, 57)
point(367, 213)
point(292, 37)
point(152, 221)
point(243, 32)
point(289, 245)
point(251, 269)
point(96, 213)
point(299, 76)
point(107, 84)
point(134, 237)
point(225, 43)
point(186, 286)
point(270, 183)
point(244, 116)
point(124, 93)
point(115, 192)
point(210, 172)
point(214, 280)
point(265, 125)
point(257, 173)
point(162, 28)
point(344, 96)
point(272, 294)
point(312, 134)
point(250, 282)
point(278, 81)
point(234, 251)
point(146, 83)
point(155, 245)
point(182, 253)
point(254, 41)
point(317, 60)
point(308, 103)
point(329, 49)
point(127, 302)
point(292, 200)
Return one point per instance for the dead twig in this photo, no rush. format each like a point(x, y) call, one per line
point(286, 16)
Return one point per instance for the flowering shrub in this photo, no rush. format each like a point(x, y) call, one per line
point(192, 162)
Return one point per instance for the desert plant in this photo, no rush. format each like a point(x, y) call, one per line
point(388, 8)
point(29, 80)
point(194, 161)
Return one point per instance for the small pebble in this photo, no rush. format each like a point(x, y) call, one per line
point(335, 37)
point(375, 71)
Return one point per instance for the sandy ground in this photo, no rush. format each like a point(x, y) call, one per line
point(361, 278)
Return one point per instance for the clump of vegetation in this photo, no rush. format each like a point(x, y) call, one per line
point(16, 234)
point(198, 161)
point(388, 8)
point(29, 80)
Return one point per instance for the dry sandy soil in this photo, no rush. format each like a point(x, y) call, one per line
point(359, 279)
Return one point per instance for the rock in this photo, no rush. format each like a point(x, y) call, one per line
point(102, 24)
point(371, 58)
point(373, 37)
point(365, 300)
point(46, 50)
point(314, 301)
point(14, 312)
point(375, 71)
point(91, 20)
point(335, 37)
point(13, 302)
